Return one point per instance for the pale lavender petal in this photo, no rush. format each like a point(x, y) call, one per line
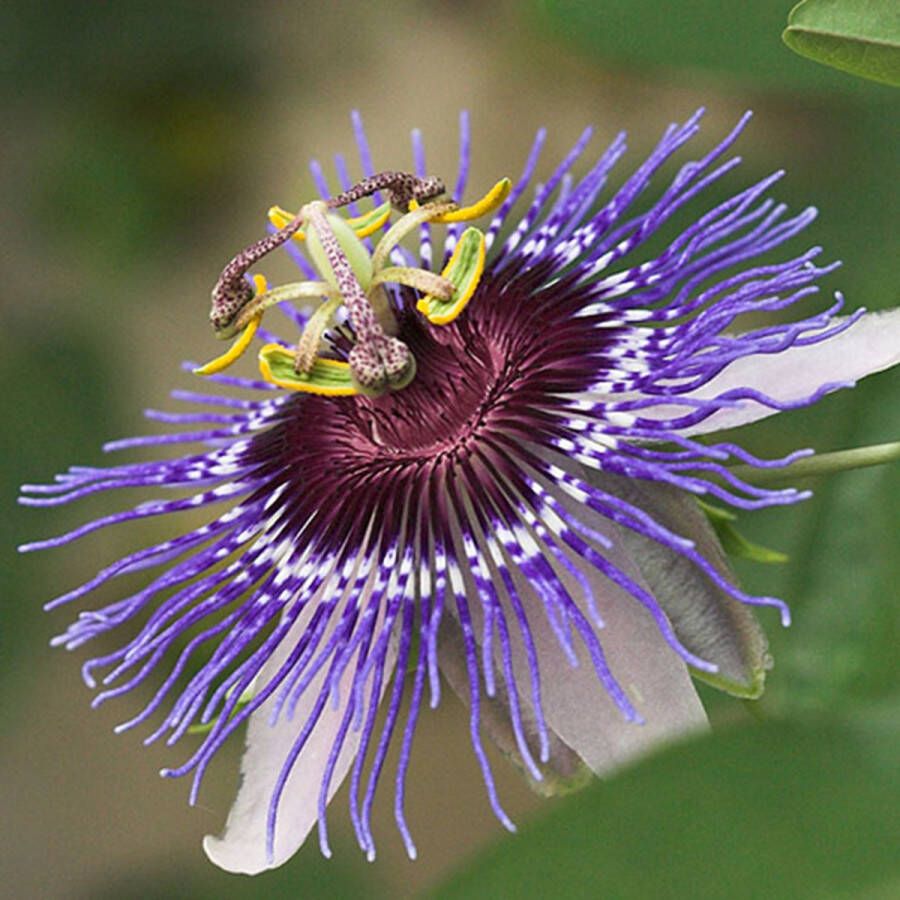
point(241, 847)
point(653, 677)
point(795, 375)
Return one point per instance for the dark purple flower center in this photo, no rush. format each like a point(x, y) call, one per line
point(498, 368)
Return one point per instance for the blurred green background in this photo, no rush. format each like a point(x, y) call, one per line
point(143, 144)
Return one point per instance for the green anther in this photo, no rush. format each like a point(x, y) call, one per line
point(329, 377)
point(352, 247)
point(464, 271)
point(419, 279)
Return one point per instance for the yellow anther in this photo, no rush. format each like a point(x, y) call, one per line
point(236, 350)
point(368, 223)
point(488, 203)
point(364, 225)
point(260, 285)
point(280, 217)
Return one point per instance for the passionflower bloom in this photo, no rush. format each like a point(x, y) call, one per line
point(476, 455)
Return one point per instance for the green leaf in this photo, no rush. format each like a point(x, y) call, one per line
point(735, 544)
point(735, 41)
point(844, 573)
point(778, 810)
point(861, 37)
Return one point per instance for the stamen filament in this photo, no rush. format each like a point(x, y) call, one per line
point(312, 334)
point(301, 290)
point(404, 226)
point(419, 279)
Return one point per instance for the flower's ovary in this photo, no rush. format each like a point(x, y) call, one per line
point(363, 225)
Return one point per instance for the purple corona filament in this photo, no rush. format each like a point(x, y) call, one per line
point(471, 519)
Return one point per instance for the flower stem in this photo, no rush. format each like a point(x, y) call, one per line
point(822, 464)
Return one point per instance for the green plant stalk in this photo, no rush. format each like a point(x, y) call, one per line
point(822, 464)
